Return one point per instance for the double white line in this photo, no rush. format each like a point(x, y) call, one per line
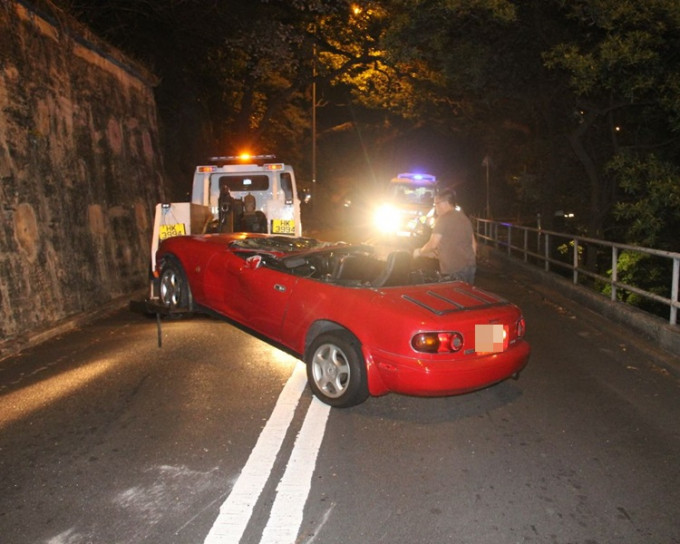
point(291, 493)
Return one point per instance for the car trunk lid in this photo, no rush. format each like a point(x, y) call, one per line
point(450, 297)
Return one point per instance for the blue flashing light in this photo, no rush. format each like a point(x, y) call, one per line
point(417, 177)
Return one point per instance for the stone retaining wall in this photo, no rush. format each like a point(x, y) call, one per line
point(80, 171)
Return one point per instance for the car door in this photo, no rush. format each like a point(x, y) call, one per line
point(265, 297)
point(248, 291)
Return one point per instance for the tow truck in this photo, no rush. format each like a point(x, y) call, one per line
point(249, 193)
point(408, 209)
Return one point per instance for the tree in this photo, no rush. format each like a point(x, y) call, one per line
point(474, 69)
point(650, 204)
point(556, 92)
point(625, 77)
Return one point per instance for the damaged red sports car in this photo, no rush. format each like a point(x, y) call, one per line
point(363, 325)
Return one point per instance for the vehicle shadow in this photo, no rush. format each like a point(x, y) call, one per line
point(427, 410)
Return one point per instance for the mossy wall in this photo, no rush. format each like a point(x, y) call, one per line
point(80, 170)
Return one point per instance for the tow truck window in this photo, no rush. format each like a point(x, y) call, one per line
point(287, 187)
point(245, 183)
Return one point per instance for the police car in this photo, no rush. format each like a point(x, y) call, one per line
point(407, 209)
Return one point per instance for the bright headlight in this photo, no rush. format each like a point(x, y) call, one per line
point(387, 218)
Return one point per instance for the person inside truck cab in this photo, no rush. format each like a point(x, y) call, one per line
point(252, 220)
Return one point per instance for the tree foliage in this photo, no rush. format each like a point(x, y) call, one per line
point(576, 102)
point(623, 69)
point(650, 204)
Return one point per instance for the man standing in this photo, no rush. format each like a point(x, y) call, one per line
point(452, 240)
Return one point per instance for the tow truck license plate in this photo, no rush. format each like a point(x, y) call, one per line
point(283, 226)
point(168, 231)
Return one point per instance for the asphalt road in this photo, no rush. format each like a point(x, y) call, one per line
point(107, 438)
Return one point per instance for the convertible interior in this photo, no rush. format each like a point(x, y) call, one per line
point(340, 264)
point(359, 268)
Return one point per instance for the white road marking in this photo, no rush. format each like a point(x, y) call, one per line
point(293, 489)
point(236, 511)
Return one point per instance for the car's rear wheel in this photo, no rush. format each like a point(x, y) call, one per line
point(174, 290)
point(336, 370)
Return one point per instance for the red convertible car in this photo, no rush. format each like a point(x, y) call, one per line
point(363, 325)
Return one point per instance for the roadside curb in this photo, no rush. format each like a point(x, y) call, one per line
point(16, 345)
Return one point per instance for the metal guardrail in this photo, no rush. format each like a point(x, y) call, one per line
point(589, 261)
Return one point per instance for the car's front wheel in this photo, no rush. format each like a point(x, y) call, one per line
point(336, 370)
point(174, 289)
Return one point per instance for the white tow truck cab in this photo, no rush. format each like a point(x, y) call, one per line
point(408, 205)
point(250, 193)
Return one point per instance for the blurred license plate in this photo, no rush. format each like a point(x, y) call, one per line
point(168, 231)
point(489, 338)
point(283, 226)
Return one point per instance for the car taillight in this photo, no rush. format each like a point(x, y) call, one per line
point(437, 342)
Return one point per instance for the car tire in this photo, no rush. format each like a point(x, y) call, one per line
point(174, 291)
point(336, 370)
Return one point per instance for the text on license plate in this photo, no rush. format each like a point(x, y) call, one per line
point(283, 226)
point(489, 338)
point(168, 231)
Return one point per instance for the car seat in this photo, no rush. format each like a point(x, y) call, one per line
point(396, 271)
point(358, 269)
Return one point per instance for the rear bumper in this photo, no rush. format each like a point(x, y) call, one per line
point(430, 378)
